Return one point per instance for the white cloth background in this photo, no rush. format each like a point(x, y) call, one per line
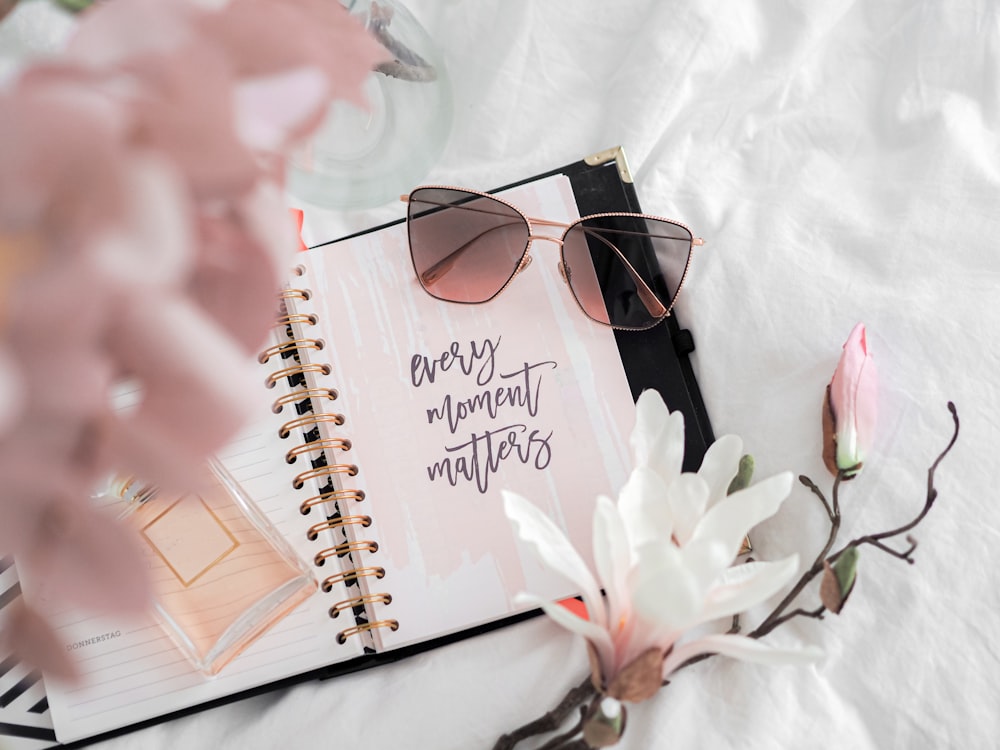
point(842, 161)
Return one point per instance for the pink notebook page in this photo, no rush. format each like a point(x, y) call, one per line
point(432, 457)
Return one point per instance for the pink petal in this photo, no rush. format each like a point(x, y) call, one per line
point(153, 243)
point(82, 556)
point(273, 111)
point(11, 392)
point(111, 34)
point(265, 36)
point(205, 149)
point(188, 408)
point(27, 634)
point(59, 143)
point(236, 279)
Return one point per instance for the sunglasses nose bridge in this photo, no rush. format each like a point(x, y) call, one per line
point(546, 237)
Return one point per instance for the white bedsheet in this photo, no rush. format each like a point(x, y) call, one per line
point(842, 161)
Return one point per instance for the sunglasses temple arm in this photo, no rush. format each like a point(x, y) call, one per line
point(649, 299)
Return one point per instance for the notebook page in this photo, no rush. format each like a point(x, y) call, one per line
point(133, 671)
point(432, 458)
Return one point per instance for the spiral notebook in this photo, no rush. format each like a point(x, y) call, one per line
point(388, 424)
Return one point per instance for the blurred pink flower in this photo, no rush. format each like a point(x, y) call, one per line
point(664, 557)
point(142, 234)
point(850, 411)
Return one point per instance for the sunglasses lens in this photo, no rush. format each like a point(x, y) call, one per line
point(625, 271)
point(465, 247)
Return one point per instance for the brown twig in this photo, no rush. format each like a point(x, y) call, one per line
point(566, 740)
point(551, 721)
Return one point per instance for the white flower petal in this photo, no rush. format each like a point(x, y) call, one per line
point(740, 647)
point(665, 591)
point(688, 498)
point(705, 558)
point(720, 464)
point(555, 551)
point(612, 557)
point(643, 506)
point(743, 586)
point(562, 616)
point(729, 520)
point(658, 437)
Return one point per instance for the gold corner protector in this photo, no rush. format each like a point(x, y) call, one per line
point(616, 154)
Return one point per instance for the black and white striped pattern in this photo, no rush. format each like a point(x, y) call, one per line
point(25, 723)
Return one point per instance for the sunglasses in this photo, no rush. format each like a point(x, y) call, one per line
point(624, 270)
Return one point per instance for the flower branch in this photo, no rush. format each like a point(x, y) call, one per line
point(778, 616)
point(665, 557)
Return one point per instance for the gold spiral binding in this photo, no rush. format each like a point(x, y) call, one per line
point(322, 444)
point(353, 574)
point(365, 545)
point(335, 523)
point(295, 396)
point(359, 601)
point(292, 318)
point(309, 419)
point(300, 369)
point(324, 471)
point(346, 633)
point(288, 346)
point(334, 496)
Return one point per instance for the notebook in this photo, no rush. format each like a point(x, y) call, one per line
point(387, 425)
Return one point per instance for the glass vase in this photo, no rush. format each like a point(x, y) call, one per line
point(360, 159)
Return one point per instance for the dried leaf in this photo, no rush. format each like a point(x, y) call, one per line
point(829, 435)
point(606, 723)
point(829, 590)
point(640, 679)
point(838, 580)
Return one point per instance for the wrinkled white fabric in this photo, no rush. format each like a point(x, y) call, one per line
point(842, 161)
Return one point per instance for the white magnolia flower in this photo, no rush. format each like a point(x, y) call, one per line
point(664, 555)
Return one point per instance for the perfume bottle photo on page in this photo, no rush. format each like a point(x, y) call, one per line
point(221, 573)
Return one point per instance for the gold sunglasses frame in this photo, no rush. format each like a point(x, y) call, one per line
point(646, 295)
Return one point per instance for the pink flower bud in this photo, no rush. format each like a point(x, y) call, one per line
point(850, 409)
